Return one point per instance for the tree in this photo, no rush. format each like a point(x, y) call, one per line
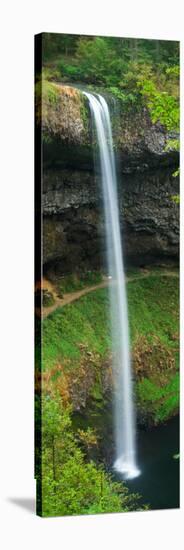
point(70, 485)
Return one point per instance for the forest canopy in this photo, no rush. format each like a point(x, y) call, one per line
point(138, 72)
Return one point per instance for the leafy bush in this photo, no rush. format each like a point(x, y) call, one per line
point(71, 71)
point(98, 61)
point(70, 485)
point(50, 74)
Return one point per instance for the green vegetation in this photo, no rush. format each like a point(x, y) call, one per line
point(47, 298)
point(162, 100)
point(175, 198)
point(153, 308)
point(139, 73)
point(161, 92)
point(136, 71)
point(154, 321)
point(82, 322)
point(70, 485)
point(60, 109)
point(75, 281)
point(78, 338)
point(46, 94)
point(76, 343)
point(157, 402)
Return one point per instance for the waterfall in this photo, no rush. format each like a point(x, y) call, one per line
point(125, 460)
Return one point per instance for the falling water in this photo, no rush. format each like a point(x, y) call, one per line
point(124, 410)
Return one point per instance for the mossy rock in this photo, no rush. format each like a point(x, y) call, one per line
point(62, 112)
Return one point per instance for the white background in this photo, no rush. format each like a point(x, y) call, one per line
point(20, 528)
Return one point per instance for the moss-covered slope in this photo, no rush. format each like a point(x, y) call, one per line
point(76, 348)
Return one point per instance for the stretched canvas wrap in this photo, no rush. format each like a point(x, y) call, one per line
point(106, 274)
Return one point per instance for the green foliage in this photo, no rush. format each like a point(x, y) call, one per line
point(92, 51)
point(70, 485)
point(153, 310)
point(127, 98)
point(70, 482)
point(172, 144)
point(83, 322)
point(50, 74)
point(158, 403)
point(46, 95)
point(50, 92)
point(175, 198)
point(78, 281)
point(153, 307)
point(98, 61)
point(47, 298)
point(88, 438)
point(57, 44)
point(68, 70)
point(116, 63)
point(163, 107)
point(55, 422)
point(162, 96)
point(137, 72)
point(134, 70)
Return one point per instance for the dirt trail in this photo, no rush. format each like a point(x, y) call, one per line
point(70, 297)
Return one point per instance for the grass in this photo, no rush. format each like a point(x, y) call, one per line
point(153, 312)
point(158, 403)
point(154, 308)
point(82, 322)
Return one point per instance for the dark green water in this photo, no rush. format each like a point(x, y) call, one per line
point(158, 483)
point(159, 480)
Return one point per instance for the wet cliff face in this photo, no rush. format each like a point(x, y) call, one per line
point(74, 228)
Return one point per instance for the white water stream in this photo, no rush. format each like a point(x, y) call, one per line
point(125, 461)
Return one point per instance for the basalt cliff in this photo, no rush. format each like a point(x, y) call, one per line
point(74, 226)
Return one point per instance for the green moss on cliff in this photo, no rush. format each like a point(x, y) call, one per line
point(61, 110)
point(47, 97)
point(157, 403)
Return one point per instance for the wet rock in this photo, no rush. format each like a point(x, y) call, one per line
point(74, 225)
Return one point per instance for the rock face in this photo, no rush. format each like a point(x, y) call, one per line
point(74, 228)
